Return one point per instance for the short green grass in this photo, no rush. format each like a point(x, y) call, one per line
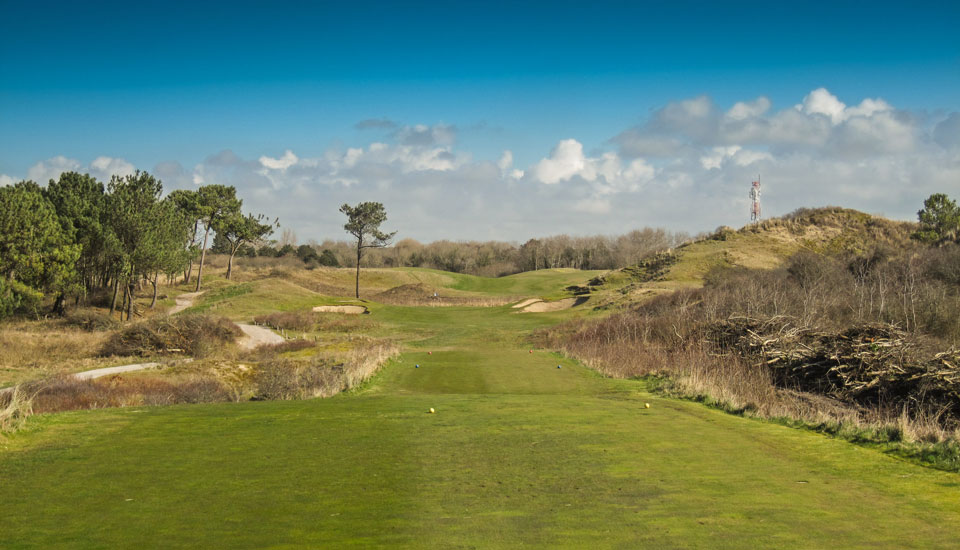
point(519, 453)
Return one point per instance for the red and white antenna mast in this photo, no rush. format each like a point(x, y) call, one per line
point(755, 201)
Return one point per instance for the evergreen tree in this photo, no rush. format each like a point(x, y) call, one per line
point(939, 220)
point(363, 222)
point(36, 254)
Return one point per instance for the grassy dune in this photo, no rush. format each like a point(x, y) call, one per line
point(518, 453)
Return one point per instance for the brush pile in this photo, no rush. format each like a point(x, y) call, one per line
point(194, 335)
point(869, 365)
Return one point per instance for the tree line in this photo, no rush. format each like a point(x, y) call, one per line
point(485, 258)
point(77, 236)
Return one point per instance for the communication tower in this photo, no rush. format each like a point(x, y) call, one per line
point(755, 201)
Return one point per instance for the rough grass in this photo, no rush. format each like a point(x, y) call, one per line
point(518, 453)
point(66, 393)
point(35, 350)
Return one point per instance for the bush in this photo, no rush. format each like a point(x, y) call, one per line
point(90, 320)
point(291, 320)
point(283, 379)
point(195, 335)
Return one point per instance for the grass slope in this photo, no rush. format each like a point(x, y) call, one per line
point(519, 453)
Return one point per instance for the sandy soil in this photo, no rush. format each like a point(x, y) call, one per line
point(350, 310)
point(526, 303)
point(541, 307)
point(254, 336)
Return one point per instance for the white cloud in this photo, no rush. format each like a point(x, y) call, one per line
point(104, 167)
point(506, 161)
point(822, 102)
point(714, 159)
point(565, 161)
point(6, 180)
point(687, 168)
point(286, 161)
point(748, 109)
point(50, 169)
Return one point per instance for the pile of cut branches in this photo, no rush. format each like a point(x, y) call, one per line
point(870, 365)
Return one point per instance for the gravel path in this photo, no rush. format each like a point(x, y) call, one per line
point(97, 373)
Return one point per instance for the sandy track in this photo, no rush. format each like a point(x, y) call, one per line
point(542, 307)
point(255, 336)
point(184, 301)
point(350, 310)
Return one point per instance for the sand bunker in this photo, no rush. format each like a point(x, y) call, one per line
point(526, 303)
point(543, 307)
point(350, 310)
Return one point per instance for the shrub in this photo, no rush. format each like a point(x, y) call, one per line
point(90, 320)
point(283, 379)
point(291, 320)
point(195, 335)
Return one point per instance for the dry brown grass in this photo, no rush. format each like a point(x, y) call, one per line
point(16, 405)
point(288, 320)
point(321, 375)
point(64, 393)
point(421, 295)
point(676, 336)
point(30, 350)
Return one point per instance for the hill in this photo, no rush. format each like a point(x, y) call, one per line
point(765, 245)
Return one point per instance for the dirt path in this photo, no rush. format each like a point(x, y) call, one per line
point(184, 301)
point(255, 336)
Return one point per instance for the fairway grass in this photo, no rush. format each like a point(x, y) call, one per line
point(519, 453)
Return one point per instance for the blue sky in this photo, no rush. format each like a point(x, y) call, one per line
point(204, 92)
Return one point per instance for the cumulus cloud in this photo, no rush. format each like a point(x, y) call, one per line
point(822, 102)
point(286, 161)
point(747, 109)
point(565, 161)
point(50, 169)
point(505, 164)
point(6, 180)
point(687, 167)
point(104, 168)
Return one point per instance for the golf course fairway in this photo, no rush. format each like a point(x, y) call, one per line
point(518, 453)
